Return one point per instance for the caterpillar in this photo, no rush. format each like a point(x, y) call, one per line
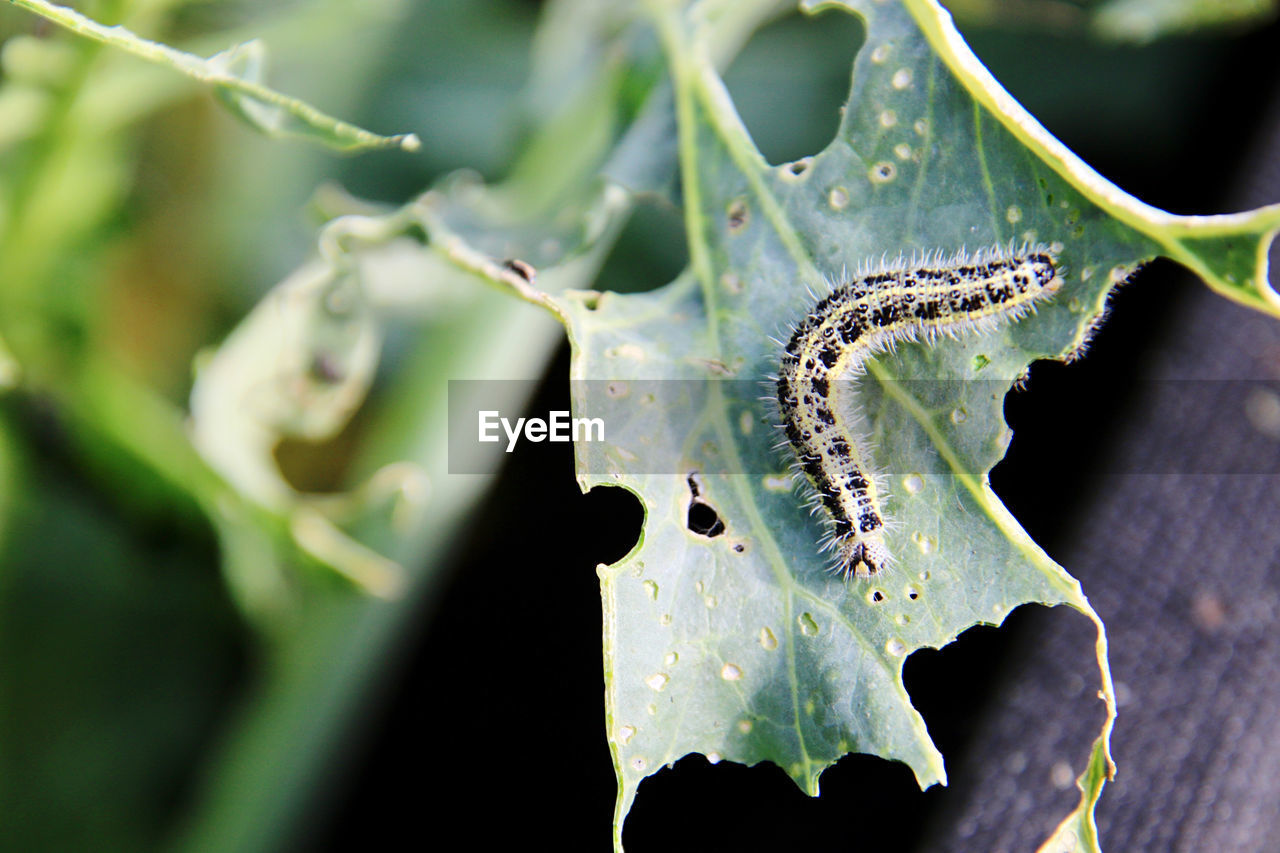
point(901, 301)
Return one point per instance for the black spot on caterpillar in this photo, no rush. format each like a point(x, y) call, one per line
point(904, 300)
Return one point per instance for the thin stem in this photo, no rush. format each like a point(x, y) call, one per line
point(333, 131)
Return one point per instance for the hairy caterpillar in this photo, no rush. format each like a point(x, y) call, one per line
point(901, 301)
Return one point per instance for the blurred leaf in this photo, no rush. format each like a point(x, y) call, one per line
point(1143, 21)
point(1134, 21)
point(742, 645)
point(334, 643)
point(236, 74)
point(422, 262)
point(300, 365)
point(10, 468)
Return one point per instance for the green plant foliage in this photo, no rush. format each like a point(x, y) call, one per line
point(236, 75)
point(437, 264)
point(742, 645)
point(732, 641)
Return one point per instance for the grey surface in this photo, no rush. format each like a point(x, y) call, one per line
point(1185, 570)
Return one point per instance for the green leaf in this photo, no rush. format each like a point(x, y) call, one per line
point(236, 75)
point(302, 362)
point(743, 645)
point(1079, 830)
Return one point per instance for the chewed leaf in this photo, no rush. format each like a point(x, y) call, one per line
point(725, 631)
point(236, 75)
point(1079, 831)
point(301, 364)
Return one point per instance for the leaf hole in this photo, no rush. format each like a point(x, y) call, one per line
point(325, 367)
point(737, 214)
point(651, 250)
point(790, 82)
point(701, 518)
point(808, 626)
point(319, 467)
point(704, 520)
point(797, 168)
point(882, 173)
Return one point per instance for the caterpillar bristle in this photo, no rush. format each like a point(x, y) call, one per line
point(920, 297)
